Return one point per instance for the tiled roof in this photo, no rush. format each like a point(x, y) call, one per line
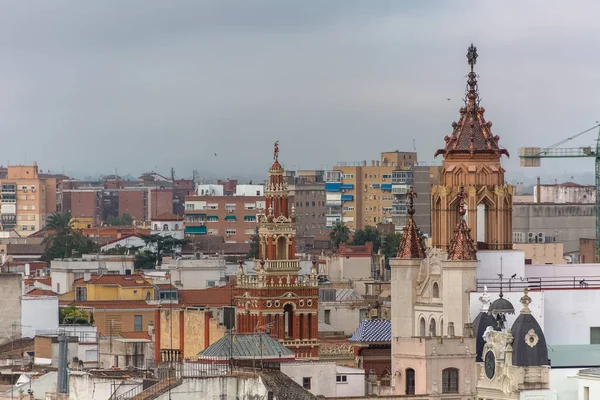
point(165, 286)
point(212, 297)
point(374, 330)
point(43, 281)
point(348, 295)
point(247, 346)
point(41, 292)
point(121, 280)
point(109, 304)
point(284, 387)
point(22, 248)
point(136, 335)
point(167, 216)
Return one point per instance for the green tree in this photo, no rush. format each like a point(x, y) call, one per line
point(389, 246)
point(122, 250)
point(73, 315)
point(63, 241)
point(157, 245)
point(340, 233)
point(144, 259)
point(253, 253)
point(369, 234)
point(124, 220)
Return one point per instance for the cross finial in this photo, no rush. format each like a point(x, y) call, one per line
point(411, 195)
point(276, 150)
point(472, 56)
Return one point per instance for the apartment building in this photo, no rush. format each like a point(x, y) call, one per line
point(307, 195)
point(232, 217)
point(361, 194)
point(28, 197)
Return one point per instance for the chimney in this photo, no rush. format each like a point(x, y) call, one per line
point(364, 163)
point(538, 190)
point(87, 276)
point(377, 162)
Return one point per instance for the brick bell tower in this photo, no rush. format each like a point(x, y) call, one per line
point(277, 300)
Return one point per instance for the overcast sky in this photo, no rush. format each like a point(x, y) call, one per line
point(90, 86)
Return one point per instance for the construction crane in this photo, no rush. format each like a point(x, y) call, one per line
point(531, 157)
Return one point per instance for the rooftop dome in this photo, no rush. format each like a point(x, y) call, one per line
point(501, 306)
point(529, 343)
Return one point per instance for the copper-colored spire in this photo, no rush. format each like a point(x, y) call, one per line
point(461, 246)
point(411, 245)
point(472, 134)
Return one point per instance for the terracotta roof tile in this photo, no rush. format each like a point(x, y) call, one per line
point(41, 292)
point(109, 304)
point(121, 280)
point(212, 297)
point(44, 281)
point(167, 216)
point(136, 335)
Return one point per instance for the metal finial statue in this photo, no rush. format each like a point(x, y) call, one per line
point(411, 195)
point(276, 151)
point(472, 56)
point(461, 201)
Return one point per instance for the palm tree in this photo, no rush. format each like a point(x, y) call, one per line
point(60, 223)
point(340, 233)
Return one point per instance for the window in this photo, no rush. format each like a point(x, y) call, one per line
point(306, 383)
point(435, 291)
point(327, 316)
point(348, 176)
point(229, 231)
point(410, 381)
point(81, 294)
point(341, 379)
point(595, 335)
point(313, 203)
point(165, 227)
point(586, 393)
point(212, 218)
point(422, 327)
point(189, 206)
point(210, 284)
point(249, 231)
point(137, 323)
point(212, 231)
point(450, 380)
point(212, 206)
point(230, 207)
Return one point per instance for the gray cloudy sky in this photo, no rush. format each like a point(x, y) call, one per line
point(90, 86)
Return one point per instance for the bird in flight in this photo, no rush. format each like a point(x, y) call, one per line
point(215, 154)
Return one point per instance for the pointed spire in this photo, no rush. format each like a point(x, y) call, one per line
point(411, 245)
point(461, 246)
point(472, 134)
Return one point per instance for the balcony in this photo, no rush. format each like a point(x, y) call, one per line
point(283, 265)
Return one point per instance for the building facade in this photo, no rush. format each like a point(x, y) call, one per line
point(277, 300)
point(361, 195)
point(472, 168)
point(27, 199)
point(232, 217)
point(307, 189)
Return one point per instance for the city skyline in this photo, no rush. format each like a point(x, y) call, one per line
point(173, 86)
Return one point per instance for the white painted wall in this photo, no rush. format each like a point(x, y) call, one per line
point(343, 316)
point(563, 383)
point(236, 387)
point(355, 384)
point(593, 383)
point(537, 307)
point(64, 272)
point(570, 314)
point(323, 378)
point(195, 274)
point(37, 313)
point(488, 267)
point(249, 190)
point(83, 386)
point(209, 190)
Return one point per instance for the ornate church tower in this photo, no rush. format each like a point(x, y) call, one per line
point(472, 161)
point(277, 300)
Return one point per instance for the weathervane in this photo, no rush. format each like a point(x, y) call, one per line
point(276, 151)
point(411, 195)
point(472, 56)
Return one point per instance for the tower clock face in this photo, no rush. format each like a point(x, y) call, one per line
point(490, 364)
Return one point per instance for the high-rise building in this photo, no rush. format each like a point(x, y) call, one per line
point(28, 197)
point(307, 195)
point(362, 195)
point(277, 300)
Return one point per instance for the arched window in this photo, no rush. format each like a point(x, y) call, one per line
point(176, 227)
point(165, 227)
point(432, 330)
point(422, 328)
point(450, 380)
point(282, 248)
point(288, 320)
point(410, 381)
point(441, 326)
point(435, 291)
point(268, 325)
point(155, 227)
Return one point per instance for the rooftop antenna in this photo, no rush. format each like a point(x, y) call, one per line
point(500, 275)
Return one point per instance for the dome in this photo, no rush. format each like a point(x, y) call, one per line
point(529, 343)
point(501, 306)
point(480, 324)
